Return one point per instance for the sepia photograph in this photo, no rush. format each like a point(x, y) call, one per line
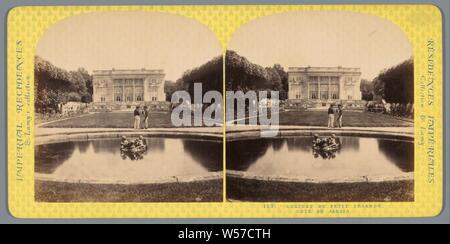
point(210, 112)
point(106, 130)
point(341, 88)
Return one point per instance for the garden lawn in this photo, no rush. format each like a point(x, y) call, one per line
point(111, 120)
point(350, 119)
point(296, 118)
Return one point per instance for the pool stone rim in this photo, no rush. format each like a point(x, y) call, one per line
point(105, 135)
point(254, 134)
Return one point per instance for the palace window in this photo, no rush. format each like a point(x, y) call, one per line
point(334, 91)
point(324, 91)
point(129, 90)
point(118, 90)
point(139, 89)
point(313, 91)
point(101, 93)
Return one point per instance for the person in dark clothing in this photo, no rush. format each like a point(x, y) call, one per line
point(331, 112)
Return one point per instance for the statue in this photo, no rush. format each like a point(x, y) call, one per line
point(326, 147)
point(133, 150)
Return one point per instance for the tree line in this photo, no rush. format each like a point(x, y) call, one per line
point(241, 75)
point(55, 86)
point(396, 84)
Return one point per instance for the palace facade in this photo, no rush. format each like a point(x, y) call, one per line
point(128, 88)
point(324, 85)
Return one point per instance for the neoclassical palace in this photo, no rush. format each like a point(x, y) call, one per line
point(324, 85)
point(128, 87)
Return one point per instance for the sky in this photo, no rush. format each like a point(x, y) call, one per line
point(129, 40)
point(326, 38)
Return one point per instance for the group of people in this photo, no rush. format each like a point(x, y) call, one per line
point(141, 117)
point(394, 109)
point(133, 149)
point(335, 116)
point(400, 109)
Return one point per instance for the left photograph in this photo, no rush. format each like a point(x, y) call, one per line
point(114, 121)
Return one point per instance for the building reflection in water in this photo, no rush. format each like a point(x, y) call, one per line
point(177, 155)
point(350, 143)
point(299, 144)
point(358, 154)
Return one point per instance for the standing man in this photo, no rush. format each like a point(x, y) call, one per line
point(340, 113)
point(145, 115)
point(331, 116)
point(137, 118)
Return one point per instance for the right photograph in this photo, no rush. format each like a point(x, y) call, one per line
point(320, 108)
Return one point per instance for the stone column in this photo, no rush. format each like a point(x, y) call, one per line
point(319, 91)
point(341, 88)
point(123, 92)
point(109, 88)
point(329, 88)
point(146, 97)
point(134, 90)
point(308, 94)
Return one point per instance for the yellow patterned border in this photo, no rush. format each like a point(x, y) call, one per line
point(420, 23)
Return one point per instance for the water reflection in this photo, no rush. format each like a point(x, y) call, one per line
point(299, 144)
point(83, 146)
point(399, 153)
point(133, 155)
point(103, 159)
point(51, 156)
point(208, 153)
point(155, 145)
point(242, 154)
point(296, 156)
point(325, 154)
point(105, 146)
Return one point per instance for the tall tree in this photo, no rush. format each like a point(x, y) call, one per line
point(367, 90)
point(169, 88)
point(210, 75)
point(396, 84)
point(243, 75)
point(54, 86)
point(284, 81)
